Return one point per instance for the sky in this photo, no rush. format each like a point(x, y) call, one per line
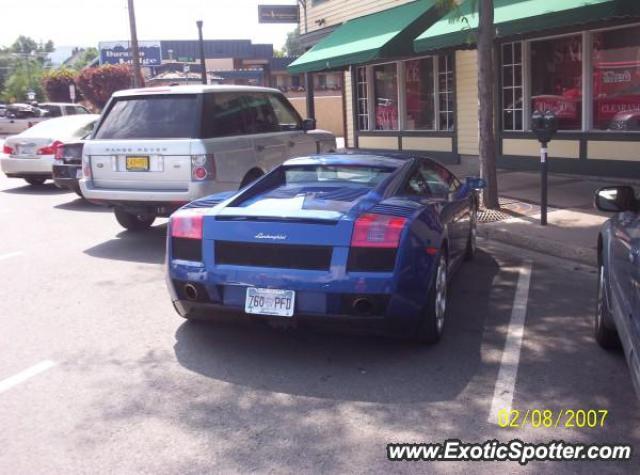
point(87, 22)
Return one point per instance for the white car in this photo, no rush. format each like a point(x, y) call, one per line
point(30, 154)
point(156, 149)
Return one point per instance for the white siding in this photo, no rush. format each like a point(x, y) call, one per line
point(467, 100)
point(348, 91)
point(335, 12)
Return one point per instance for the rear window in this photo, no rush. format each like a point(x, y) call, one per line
point(336, 173)
point(152, 117)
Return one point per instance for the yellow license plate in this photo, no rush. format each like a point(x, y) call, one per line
point(137, 163)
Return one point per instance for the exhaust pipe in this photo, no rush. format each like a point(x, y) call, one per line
point(362, 306)
point(191, 292)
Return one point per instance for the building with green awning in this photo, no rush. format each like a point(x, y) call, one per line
point(387, 34)
point(417, 90)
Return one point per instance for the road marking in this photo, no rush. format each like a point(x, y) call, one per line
point(10, 255)
point(28, 373)
point(506, 381)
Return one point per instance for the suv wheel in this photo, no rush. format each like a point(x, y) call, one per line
point(133, 222)
point(250, 177)
point(604, 328)
point(35, 181)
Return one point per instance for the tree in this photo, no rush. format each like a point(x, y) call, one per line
point(56, 83)
point(484, 37)
point(24, 44)
point(97, 84)
point(87, 57)
point(293, 47)
point(25, 77)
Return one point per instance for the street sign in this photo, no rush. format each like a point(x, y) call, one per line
point(119, 52)
point(278, 14)
point(72, 92)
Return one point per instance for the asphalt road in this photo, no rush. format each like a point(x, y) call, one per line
point(116, 382)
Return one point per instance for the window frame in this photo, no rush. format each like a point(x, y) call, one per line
point(588, 125)
point(402, 114)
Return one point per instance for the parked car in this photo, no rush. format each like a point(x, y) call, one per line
point(628, 120)
point(19, 110)
point(3, 110)
point(360, 238)
point(67, 166)
point(156, 149)
point(30, 154)
point(617, 320)
point(58, 109)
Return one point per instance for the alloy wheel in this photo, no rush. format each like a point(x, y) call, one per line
point(441, 294)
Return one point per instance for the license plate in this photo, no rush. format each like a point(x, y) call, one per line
point(137, 164)
point(25, 149)
point(270, 302)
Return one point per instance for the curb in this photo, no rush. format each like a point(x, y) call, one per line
point(579, 254)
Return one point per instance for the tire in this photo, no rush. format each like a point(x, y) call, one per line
point(35, 181)
point(76, 190)
point(604, 328)
point(470, 252)
point(431, 327)
point(250, 177)
point(133, 222)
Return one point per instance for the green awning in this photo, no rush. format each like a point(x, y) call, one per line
point(516, 17)
point(386, 34)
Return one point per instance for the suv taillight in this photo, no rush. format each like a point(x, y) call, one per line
point(377, 230)
point(187, 223)
point(203, 167)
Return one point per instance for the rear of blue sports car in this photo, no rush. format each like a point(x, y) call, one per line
point(313, 240)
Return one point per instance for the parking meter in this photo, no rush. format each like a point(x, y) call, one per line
point(544, 126)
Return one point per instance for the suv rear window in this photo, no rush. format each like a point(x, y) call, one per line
point(152, 117)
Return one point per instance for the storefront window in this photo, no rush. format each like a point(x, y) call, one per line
point(512, 87)
point(616, 79)
point(362, 106)
point(556, 79)
point(445, 92)
point(386, 96)
point(420, 85)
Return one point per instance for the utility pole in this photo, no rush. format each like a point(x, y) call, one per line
point(135, 52)
point(202, 61)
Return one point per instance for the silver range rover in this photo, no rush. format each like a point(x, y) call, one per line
point(156, 149)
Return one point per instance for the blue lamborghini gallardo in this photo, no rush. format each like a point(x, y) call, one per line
point(366, 239)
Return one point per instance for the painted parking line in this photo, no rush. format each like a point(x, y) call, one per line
point(506, 381)
point(23, 376)
point(10, 255)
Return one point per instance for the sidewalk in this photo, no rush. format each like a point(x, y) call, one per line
point(573, 223)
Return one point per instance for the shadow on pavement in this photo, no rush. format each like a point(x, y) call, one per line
point(335, 366)
point(146, 247)
point(46, 189)
point(80, 204)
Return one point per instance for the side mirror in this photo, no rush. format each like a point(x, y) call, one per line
point(616, 199)
point(308, 124)
point(476, 183)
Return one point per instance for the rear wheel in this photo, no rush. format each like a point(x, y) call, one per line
point(35, 181)
point(250, 177)
point(133, 222)
point(604, 328)
point(432, 325)
point(76, 190)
